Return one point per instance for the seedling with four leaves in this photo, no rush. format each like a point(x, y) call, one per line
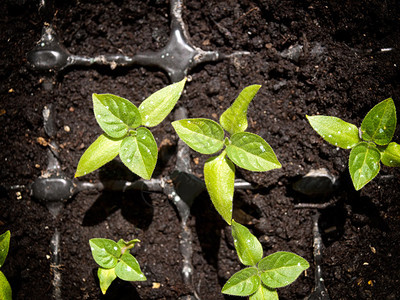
point(115, 261)
point(371, 144)
point(246, 150)
point(262, 276)
point(124, 133)
point(5, 288)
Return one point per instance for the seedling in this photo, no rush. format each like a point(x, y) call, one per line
point(5, 288)
point(263, 275)
point(115, 261)
point(371, 144)
point(121, 121)
point(246, 150)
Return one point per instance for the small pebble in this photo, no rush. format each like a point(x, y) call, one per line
point(66, 128)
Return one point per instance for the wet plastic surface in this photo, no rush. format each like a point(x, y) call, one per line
point(177, 58)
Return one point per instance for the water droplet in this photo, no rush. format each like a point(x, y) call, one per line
point(91, 248)
point(146, 117)
point(262, 148)
point(338, 132)
point(128, 160)
point(128, 268)
point(115, 248)
point(162, 56)
point(147, 123)
point(107, 107)
point(330, 135)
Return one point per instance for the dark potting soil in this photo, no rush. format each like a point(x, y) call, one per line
point(311, 57)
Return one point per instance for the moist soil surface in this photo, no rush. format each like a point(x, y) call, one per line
point(311, 57)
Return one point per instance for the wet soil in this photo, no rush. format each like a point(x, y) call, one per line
point(338, 70)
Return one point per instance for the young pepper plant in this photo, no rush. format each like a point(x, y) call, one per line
point(115, 261)
point(246, 150)
point(5, 288)
point(371, 144)
point(262, 276)
point(123, 133)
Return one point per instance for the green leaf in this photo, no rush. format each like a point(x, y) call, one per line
point(4, 246)
point(249, 151)
point(127, 245)
point(115, 115)
point(390, 156)
point(157, 107)
point(234, 119)
point(281, 269)
point(335, 131)
point(264, 293)
point(247, 246)
point(106, 277)
point(380, 123)
point(105, 252)
point(243, 283)
point(202, 135)
point(128, 269)
point(363, 164)
point(219, 175)
point(5, 288)
point(139, 153)
point(103, 150)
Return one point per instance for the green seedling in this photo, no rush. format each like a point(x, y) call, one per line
point(124, 134)
point(115, 261)
point(370, 145)
point(262, 276)
point(5, 288)
point(246, 150)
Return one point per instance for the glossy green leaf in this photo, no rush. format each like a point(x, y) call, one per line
point(234, 119)
point(157, 107)
point(249, 151)
point(115, 115)
point(380, 123)
point(243, 283)
point(202, 135)
point(264, 293)
point(281, 269)
point(335, 131)
point(5, 288)
point(106, 277)
point(105, 252)
point(139, 153)
point(363, 164)
point(103, 150)
point(4, 246)
point(128, 269)
point(390, 156)
point(247, 246)
point(219, 175)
